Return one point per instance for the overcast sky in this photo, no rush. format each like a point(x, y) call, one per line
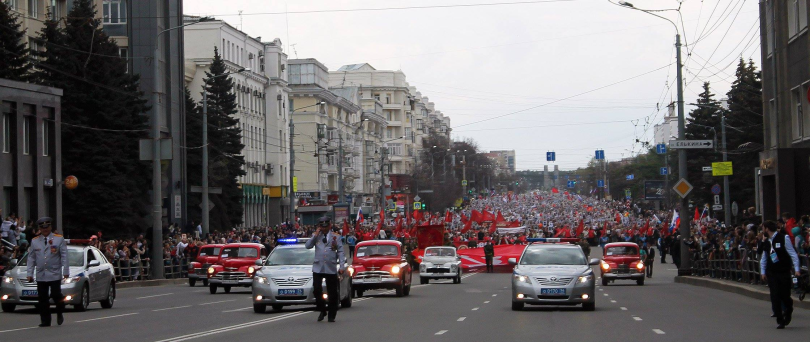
point(584, 74)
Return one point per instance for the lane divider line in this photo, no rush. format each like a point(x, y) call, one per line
point(152, 296)
point(475, 309)
point(242, 309)
point(100, 318)
point(172, 308)
point(605, 294)
point(18, 329)
point(221, 301)
point(441, 332)
point(623, 308)
point(495, 295)
point(461, 319)
point(486, 302)
point(232, 327)
point(612, 301)
point(659, 331)
point(637, 318)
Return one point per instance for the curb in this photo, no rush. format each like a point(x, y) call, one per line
point(150, 283)
point(739, 289)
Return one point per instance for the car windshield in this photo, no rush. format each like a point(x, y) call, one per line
point(440, 252)
point(623, 250)
point(553, 256)
point(239, 252)
point(377, 250)
point(210, 251)
point(75, 258)
point(291, 256)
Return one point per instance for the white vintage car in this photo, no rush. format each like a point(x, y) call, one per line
point(440, 263)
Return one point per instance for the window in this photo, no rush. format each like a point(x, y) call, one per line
point(389, 133)
point(419, 124)
point(797, 16)
point(27, 134)
point(12, 4)
point(32, 44)
point(796, 113)
point(32, 8)
point(124, 53)
point(8, 109)
point(45, 138)
point(115, 11)
point(769, 27)
point(407, 131)
point(387, 98)
point(395, 149)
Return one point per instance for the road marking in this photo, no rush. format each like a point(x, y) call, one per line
point(172, 308)
point(636, 318)
point(233, 327)
point(461, 319)
point(242, 309)
point(160, 295)
point(612, 301)
point(495, 295)
point(201, 291)
point(486, 302)
point(659, 331)
point(221, 301)
point(441, 332)
point(605, 294)
point(100, 318)
point(18, 329)
point(623, 308)
point(601, 290)
point(475, 309)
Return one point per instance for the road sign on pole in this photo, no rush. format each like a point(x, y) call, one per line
point(716, 199)
point(716, 189)
point(600, 184)
point(707, 169)
point(572, 184)
point(551, 156)
point(717, 207)
point(631, 177)
point(417, 206)
point(661, 148)
point(664, 171)
point(600, 154)
point(464, 182)
point(691, 144)
point(683, 187)
point(722, 169)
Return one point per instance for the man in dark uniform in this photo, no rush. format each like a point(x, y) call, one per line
point(48, 255)
point(650, 261)
point(778, 260)
point(328, 253)
point(489, 253)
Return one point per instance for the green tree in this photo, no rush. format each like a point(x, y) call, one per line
point(703, 123)
point(13, 51)
point(225, 146)
point(102, 116)
point(193, 143)
point(744, 131)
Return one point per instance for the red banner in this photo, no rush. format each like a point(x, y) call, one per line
point(427, 236)
point(473, 258)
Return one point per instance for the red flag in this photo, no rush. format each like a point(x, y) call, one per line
point(488, 217)
point(555, 191)
point(618, 218)
point(697, 215)
point(467, 226)
point(377, 231)
point(382, 214)
point(475, 216)
point(499, 218)
point(580, 228)
point(345, 227)
point(464, 219)
point(417, 216)
point(399, 224)
point(448, 217)
point(493, 227)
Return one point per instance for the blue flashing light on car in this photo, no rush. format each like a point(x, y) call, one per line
point(287, 241)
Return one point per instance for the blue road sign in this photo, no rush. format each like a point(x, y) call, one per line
point(631, 177)
point(551, 156)
point(661, 148)
point(600, 184)
point(664, 171)
point(572, 184)
point(600, 154)
point(716, 189)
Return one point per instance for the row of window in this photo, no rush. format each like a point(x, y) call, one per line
point(796, 21)
point(29, 124)
point(233, 53)
point(800, 118)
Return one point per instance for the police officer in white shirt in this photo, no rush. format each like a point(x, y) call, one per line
point(328, 252)
point(48, 255)
point(775, 268)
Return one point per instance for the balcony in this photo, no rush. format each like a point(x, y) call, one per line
point(330, 169)
point(356, 150)
point(393, 106)
point(394, 123)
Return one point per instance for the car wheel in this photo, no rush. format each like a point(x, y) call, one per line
point(407, 290)
point(227, 289)
point(589, 306)
point(604, 281)
point(212, 289)
point(400, 289)
point(517, 306)
point(640, 281)
point(84, 301)
point(423, 281)
point(205, 282)
point(347, 302)
point(277, 307)
point(9, 307)
point(192, 281)
point(259, 308)
point(108, 303)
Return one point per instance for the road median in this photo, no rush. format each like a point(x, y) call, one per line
point(752, 291)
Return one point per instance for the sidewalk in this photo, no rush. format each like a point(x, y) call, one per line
point(754, 291)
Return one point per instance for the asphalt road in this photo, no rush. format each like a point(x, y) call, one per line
point(478, 309)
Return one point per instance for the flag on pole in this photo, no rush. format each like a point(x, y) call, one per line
point(359, 218)
point(345, 228)
point(676, 221)
point(697, 215)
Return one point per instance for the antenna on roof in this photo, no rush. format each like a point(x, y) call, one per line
point(241, 27)
point(294, 51)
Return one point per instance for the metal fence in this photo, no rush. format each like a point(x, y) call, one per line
point(738, 265)
point(173, 268)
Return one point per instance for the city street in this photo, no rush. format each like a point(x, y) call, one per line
point(476, 310)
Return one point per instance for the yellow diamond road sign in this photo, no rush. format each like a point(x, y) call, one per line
point(683, 187)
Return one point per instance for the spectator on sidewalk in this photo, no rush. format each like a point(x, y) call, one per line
point(778, 261)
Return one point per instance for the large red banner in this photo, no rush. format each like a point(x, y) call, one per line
point(430, 235)
point(473, 258)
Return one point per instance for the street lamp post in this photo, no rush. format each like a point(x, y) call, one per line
point(685, 267)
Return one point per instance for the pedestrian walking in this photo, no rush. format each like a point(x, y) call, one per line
point(48, 255)
point(489, 254)
point(650, 261)
point(778, 260)
point(328, 253)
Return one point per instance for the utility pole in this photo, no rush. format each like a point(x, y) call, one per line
point(726, 196)
point(464, 173)
point(686, 263)
point(340, 167)
point(383, 154)
point(291, 191)
point(205, 213)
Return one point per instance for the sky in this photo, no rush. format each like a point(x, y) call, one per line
point(564, 76)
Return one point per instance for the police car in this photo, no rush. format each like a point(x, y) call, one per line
point(91, 279)
point(285, 278)
point(553, 271)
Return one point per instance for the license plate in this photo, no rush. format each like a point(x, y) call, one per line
point(30, 293)
point(230, 281)
point(291, 292)
point(372, 280)
point(552, 291)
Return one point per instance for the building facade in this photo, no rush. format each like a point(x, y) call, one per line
point(31, 155)
point(505, 162)
point(668, 129)
point(786, 117)
point(262, 97)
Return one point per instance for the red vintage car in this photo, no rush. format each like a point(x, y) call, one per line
point(236, 266)
point(379, 264)
point(621, 261)
point(209, 255)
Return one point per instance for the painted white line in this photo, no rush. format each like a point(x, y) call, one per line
point(475, 309)
point(659, 331)
point(221, 301)
point(495, 295)
point(18, 329)
point(636, 318)
point(242, 309)
point(195, 291)
point(623, 308)
point(172, 308)
point(612, 301)
point(100, 318)
point(160, 295)
point(441, 332)
point(605, 294)
point(486, 302)
point(232, 327)
point(601, 290)
point(461, 319)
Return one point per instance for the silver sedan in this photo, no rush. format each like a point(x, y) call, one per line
point(553, 274)
point(91, 280)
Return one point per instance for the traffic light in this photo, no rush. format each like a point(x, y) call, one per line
point(424, 206)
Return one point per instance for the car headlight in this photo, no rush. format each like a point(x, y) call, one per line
point(585, 278)
point(262, 280)
point(422, 268)
point(351, 271)
point(522, 278)
point(395, 269)
point(210, 270)
point(605, 266)
point(71, 280)
point(8, 280)
point(453, 267)
point(640, 265)
point(251, 270)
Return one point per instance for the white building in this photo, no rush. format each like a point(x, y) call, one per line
point(262, 97)
point(667, 130)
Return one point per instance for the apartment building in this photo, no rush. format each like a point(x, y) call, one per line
point(262, 97)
